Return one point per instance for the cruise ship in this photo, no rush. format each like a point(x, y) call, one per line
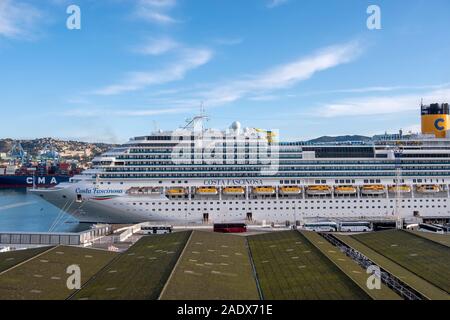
point(200, 175)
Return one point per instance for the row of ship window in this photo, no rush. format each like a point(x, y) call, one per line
point(293, 208)
point(226, 163)
point(281, 202)
point(296, 153)
point(220, 149)
point(219, 136)
point(275, 174)
point(342, 181)
point(307, 162)
point(256, 167)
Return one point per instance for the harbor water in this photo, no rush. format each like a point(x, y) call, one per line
point(20, 211)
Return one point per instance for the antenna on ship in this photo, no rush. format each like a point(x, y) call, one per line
point(202, 109)
point(155, 126)
point(197, 122)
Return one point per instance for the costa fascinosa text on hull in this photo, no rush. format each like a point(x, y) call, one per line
point(197, 175)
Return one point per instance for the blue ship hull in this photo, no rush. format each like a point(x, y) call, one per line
point(26, 181)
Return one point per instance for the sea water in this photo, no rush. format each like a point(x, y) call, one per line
point(21, 211)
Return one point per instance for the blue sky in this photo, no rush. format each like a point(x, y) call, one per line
point(305, 67)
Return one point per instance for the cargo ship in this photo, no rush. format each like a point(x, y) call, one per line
point(40, 176)
point(47, 172)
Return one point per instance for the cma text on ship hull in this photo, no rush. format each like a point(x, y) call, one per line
point(18, 181)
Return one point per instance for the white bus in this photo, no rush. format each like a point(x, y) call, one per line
point(356, 226)
point(425, 227)
point(326, 226)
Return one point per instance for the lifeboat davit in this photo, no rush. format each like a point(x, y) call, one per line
point(211, 191)
point(318, 190)
point(290, 190)
point(430, 188)
point(345, 190)
point(373, 190)
point(176, 191)
point(264, 190)
point(143, 191)
point(400, 189)
point(234, 191)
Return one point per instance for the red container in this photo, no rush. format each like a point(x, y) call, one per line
point(64, 166)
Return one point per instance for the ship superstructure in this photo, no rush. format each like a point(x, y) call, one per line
point(204, 175)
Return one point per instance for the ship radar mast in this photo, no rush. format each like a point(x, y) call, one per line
point(196, 124)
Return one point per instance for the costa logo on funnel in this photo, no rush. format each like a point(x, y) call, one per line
point(437, 124)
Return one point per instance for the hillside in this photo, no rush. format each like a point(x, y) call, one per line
point(67, 149)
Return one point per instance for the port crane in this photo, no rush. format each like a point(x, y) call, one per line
point(17, 154)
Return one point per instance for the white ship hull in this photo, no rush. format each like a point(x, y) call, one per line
point(120, 207)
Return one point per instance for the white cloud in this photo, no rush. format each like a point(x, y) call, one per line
point(61, 2)
point(283, 76)
point(89, 113)
point(157, 46)
point(268, 97)
point(276, 3)
point(150, 112)
point(156, 11)
point(158, 3)
point(17, 19)
point(257, 87)
point(228, 41)
point(190, 59)
point(376, 89)
point(157, 17)
point(367, 106)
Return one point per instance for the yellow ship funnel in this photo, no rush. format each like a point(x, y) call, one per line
point(270, 135)
point(435, 119)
